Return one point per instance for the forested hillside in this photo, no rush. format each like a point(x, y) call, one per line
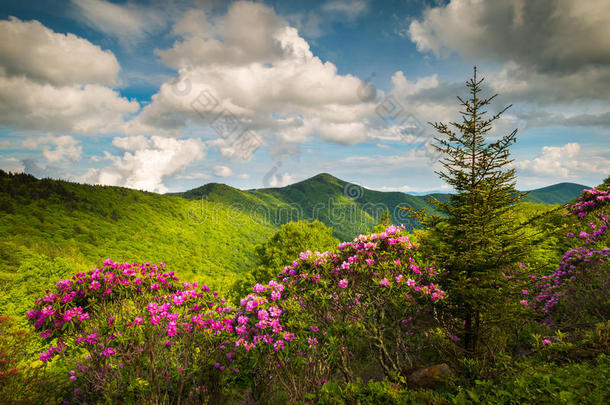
point(53, 228)
point(348, 208)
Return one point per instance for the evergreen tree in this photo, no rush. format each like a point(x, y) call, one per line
point(476, 238)
point(384, 221)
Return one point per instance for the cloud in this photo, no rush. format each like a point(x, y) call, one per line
point(350, 9)
point(411, 189)
point(565, 161)
point(57, 82)
point(194, 176)
point(11, 164)
point(63, 148)
point(222, 171)
point(309, 25)
point(56, 148)
point(145, 169)
point(88, 109)
point(30, 49)
point(553, 51)
point(277, 179)
point(131, 143)
point(257, 73)
point(129, 23)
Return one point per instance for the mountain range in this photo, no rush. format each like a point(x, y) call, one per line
point(346, 207)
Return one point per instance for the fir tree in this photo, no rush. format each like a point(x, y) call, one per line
point(384, 221)
point(475, 239)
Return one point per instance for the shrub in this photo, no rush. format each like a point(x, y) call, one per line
point(576, 293)
point(132, 331)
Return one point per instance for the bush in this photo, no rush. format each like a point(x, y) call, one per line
point(133, 332)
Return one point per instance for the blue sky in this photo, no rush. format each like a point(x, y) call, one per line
point(166, 96)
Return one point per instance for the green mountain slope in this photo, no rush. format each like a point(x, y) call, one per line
point(49, 228)
point(559, 193)
point(347, 208)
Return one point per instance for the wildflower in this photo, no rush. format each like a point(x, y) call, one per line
point(343, 283)
point(275, 312)
point(109, 351)
point(91, 338)
point(258, 288)
point(384, 283)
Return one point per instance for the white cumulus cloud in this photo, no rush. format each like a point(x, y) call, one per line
point(565, 161)
point(222, 171)
point(56, 82)
point(251, 66)
point(145, 169)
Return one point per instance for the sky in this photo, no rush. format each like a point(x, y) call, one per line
point(166, 96)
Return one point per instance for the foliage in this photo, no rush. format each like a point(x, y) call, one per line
point(477, 221)
point(384, 221)
point(525, 382)
point(576, 293)
point(20, 382)
point(281, 249)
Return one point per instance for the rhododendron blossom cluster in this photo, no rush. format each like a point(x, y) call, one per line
point(122, 318)
point(549, 291)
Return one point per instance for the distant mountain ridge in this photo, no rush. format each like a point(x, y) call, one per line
point(348, 208)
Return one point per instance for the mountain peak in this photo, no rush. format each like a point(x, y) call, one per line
point(325, 177)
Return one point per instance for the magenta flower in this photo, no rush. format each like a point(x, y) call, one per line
point(259, 288)
point(343, 283)
point(91, 338)
point(262, 315)
point(109, 351)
